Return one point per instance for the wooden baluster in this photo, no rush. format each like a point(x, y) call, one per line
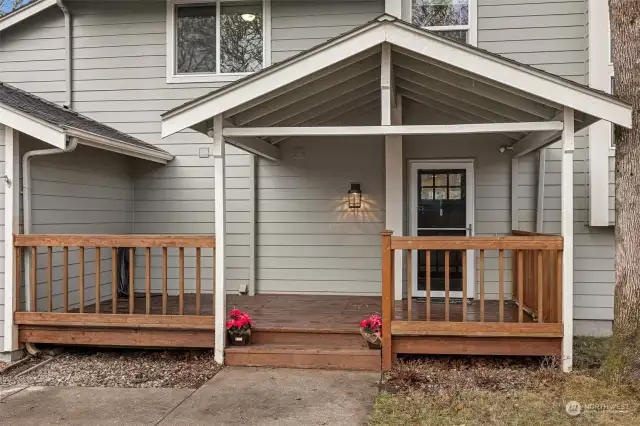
point(464, 286)
point(49, 278)
point(198, 289)
point(409, 283)
point(428, 285)
point(34, 279)
point(18, 255)
point(501, 283)
point(164, 281)
point(446, 285)
point(148, 279)
point(387, 300)
point(98, 283)
point(520, 285)
point(181, 297)
point(559, 287)
point(481, 285)
point(65, 279)
point(540, 290)
point(114, 280)
point(81, 277)
point(132, 293)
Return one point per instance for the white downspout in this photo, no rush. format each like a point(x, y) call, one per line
point(68, 40)
point(26, 202)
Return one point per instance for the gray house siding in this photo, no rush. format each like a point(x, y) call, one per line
point(302, 245)
point(87, 191)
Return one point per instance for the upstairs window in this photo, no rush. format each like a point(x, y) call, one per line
point(450, 18)
point(215, 40)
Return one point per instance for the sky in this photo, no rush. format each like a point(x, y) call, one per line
point(7, 4)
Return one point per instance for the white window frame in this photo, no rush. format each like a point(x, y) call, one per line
point(471, 27)
point(174, 77)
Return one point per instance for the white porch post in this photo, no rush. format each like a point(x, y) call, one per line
point(11, 226)
point(394, 210)
point(220, 230)
point(566, 190)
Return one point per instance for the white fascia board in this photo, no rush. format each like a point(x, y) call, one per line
point(113, 145)
point(25, 13)
point(509, 73)
point(272, 79)
point(33, 127)
point(387, 130)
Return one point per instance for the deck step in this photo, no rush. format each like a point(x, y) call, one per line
point(333, 358)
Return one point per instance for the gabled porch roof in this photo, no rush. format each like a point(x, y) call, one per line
point(317, 87)
point(54, 124)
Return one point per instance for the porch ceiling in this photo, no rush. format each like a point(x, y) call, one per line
point(383, 62)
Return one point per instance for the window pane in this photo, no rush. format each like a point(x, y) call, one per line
point(426, 194)
point(455, 193)
point(437, 13)
point(196, 39)
point(427, 180)
point(457, 35)
point(441, 180)
point(241, 37)
point(441, 194)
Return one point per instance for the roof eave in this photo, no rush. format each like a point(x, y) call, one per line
point(24, 13)
point(114, 145)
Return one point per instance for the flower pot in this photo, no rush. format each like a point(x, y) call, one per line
point(374, 345)
point(239, 339)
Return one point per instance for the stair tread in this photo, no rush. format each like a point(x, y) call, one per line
point(308, 349)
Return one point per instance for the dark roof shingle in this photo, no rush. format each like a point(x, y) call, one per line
point(62, 117)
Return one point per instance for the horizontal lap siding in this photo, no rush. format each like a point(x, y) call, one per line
point(32, 55)
point(308, 241)
point(551, 35)
point(492, 184)
point(120, 79)
point(87, 191)
point(300, 25)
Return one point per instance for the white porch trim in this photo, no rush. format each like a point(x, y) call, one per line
point(497, 70)
point(25, 13)
point(220, 232)
point(11, 226)
point(33, 127)
point(388, 130)
point(568, 146)
point(252, 144)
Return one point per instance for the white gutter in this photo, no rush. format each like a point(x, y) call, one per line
point(114, 145)
point(26, 202)
point(542, 163)
point(68, 40)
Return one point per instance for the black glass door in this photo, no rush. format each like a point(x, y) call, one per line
point(442, 211)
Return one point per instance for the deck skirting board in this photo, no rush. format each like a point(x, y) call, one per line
point(457, 345)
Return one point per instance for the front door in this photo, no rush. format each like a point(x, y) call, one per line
point(442, 205)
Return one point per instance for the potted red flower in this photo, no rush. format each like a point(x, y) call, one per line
point(239, 327)
point(371, 330)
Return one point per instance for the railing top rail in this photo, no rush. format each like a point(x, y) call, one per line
point(532, 234)
point(53, 240)
point(548, 242)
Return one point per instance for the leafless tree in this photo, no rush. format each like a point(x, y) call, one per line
point(431, 13)
point(623, 362)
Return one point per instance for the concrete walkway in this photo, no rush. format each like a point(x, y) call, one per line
point(235, 396)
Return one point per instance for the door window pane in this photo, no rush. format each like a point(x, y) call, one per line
point(441, 180)
point(455, 193)
point(441, 194)
point(426, 194)
point(241, 37)
point(427, 179)
point(455, 179)
point(196, 39)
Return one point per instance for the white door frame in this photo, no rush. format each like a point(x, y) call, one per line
point(463, 164)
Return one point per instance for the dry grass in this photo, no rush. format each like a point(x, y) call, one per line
point(503, 391)
point(118, 368)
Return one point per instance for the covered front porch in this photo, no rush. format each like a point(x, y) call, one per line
point(439, 128)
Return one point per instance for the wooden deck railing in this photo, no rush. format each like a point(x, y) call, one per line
point(98, 248)
point(537, 284)
point(538, 271)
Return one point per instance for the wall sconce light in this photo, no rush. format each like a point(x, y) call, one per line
point(355, 196)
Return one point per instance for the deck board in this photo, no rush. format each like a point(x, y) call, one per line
point(312, 312)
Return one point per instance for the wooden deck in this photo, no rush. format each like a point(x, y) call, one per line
point(300, 312)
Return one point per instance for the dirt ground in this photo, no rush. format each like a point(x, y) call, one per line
point(117, 368)
point(504, 391)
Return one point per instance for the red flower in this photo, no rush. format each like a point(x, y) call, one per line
point(239, 321)
point(372, 325)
